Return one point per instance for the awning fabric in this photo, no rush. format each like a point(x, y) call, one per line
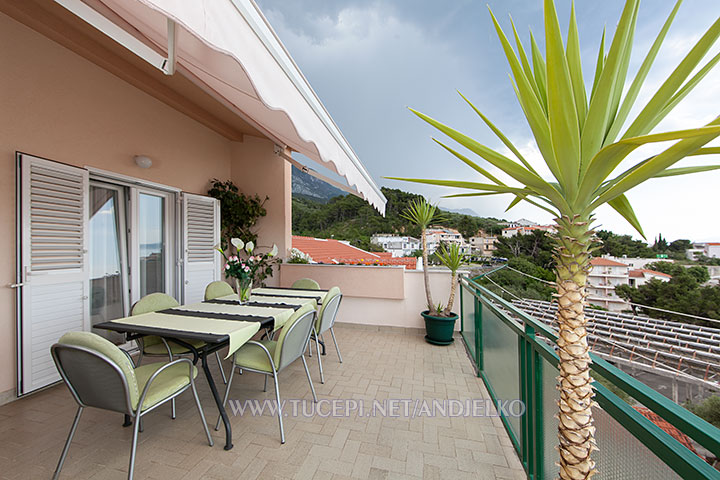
point(229, 46)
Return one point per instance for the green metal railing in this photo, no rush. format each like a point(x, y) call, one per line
point(514, 355)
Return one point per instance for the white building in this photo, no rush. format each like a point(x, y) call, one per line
point(607, 274)
point(637, 263)
point(436, 235)
point(526, 230)
point(708, 249)
point(483, 244)
point(399, 246)
point(641, 276)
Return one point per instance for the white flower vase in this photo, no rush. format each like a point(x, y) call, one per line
point(244, 289)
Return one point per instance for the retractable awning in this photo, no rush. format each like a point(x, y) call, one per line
point(228, 48)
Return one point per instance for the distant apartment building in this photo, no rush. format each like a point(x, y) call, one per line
point(523, 222)
point(436, 235)
point(607, 274)
point(707, 249)
point(526, 230)
point(641, 276)
point(399, 246)
point(483, 244)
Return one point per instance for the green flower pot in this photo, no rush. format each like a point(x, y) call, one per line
point(439, 330)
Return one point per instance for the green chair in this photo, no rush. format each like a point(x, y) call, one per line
point(324, 322)
point(152, 345)
point(218, 289)
point(307, 283)
point(101, 375)
point(270, 357)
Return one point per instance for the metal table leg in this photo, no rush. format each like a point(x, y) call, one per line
point(218, 401)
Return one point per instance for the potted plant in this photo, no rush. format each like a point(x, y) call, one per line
point(246, 270)
point(439, 320)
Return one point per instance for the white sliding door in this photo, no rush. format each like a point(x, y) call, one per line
point(52, 264)
point(201, 232)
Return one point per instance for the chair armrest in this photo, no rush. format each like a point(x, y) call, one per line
point(127, 354)
point(267, 352)
point(160, 370)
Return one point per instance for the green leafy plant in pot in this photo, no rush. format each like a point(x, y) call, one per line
point(439, 320)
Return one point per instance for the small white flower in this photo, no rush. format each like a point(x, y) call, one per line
point(237, 243)
point(249, 247)
point(274, 251)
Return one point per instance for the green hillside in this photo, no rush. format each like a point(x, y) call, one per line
point(351, 218)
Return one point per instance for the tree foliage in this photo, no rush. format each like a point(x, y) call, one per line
point(351, 218)
point(519, 285)
point(537, 247)
point(623, 245)
point(238, 212)
point(708, 409)
point(684, 293)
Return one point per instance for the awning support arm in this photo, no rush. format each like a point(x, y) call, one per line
point(280, 151)
point(94, 18)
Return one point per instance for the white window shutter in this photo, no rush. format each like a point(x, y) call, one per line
point(201, 233)
point(52, 264)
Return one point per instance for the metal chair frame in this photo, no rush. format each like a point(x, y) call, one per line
point(129, 411)
point(274, 373)
point(316, 334)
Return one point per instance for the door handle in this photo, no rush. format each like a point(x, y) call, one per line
point(16, 285)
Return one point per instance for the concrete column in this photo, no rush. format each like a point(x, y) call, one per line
point(256, 169)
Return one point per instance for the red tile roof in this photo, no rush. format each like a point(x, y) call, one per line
point(641, 271)
point(606, 262)
point(669, 428)
point(328, 250)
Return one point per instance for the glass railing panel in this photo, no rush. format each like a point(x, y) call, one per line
point(468, 313)
point(621, 456)
point(500, 352)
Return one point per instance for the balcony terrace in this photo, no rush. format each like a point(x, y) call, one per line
point(380, 363)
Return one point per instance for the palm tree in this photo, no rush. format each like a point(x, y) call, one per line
point(422, 213)
point(581, 143)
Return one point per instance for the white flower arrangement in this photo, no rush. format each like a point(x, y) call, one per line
point(298, 256)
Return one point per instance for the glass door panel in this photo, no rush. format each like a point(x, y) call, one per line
point(107, 253)
point(152, 247)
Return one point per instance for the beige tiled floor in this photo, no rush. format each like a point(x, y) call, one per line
point(387, 364)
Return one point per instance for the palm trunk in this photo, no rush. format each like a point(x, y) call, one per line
point(426, 277)
point(451, 300)
point(576, 432)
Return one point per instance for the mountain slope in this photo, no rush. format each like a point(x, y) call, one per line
point(305, 185)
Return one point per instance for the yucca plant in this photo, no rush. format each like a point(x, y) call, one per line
point(452, 258)
point(583, 139)
point(422, 213)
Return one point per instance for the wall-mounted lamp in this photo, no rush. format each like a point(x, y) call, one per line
point(143, 161)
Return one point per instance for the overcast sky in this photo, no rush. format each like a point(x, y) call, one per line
point(370, 60)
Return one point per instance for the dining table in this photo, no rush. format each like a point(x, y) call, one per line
point(218, 323)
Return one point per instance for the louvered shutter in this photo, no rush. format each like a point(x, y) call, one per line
point(52, 265)
point(201, 233)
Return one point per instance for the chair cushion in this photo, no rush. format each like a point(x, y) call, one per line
point(159, 348)
point(103, 346)
point(253, 357)
point(218, 289)
point(308, 283)
point(333, 292)
point(168, 382)
point(153, 303)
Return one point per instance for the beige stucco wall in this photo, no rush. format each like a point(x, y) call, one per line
point(258, 170)
point(382, 296)
point(57, 105)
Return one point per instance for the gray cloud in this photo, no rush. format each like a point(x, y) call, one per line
point(368, 61)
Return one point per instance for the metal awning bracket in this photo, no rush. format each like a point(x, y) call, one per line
point(106, 26)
